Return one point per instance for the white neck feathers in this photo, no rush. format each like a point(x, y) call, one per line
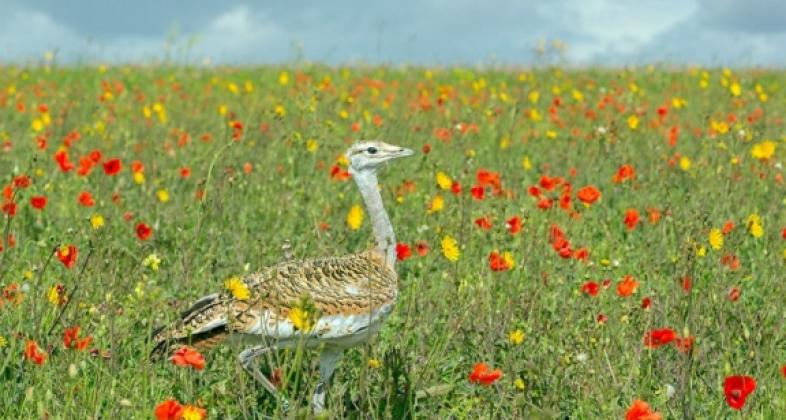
point(383, 231)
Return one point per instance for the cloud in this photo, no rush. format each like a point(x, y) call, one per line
point(605, 32)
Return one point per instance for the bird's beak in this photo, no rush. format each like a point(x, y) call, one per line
point(404, 152)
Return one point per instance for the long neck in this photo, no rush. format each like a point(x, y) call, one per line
point(383, 230)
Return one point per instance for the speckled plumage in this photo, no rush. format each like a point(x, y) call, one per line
point(353, 287)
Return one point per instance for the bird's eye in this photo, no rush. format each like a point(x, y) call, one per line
point(372, 150)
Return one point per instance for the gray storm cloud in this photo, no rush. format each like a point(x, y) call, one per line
point(596, 32)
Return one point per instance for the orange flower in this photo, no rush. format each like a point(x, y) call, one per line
point(71, 339)
point(624, 173)
point(169, 410)
point(67, 255)
point(588, 194)
point(627, 286)
point(482, 375)
point(186, 356)
point(640, 410)
point(191, 412)
point(33, 354)
point(631, 218)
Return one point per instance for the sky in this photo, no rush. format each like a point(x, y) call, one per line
point(402, 32)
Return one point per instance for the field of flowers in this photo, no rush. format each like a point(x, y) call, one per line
point(584, 244)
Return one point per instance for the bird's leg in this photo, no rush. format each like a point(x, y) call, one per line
point(247, 357)
point(286, 249)
point(327, 364)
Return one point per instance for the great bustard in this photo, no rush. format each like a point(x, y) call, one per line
point(353, 293)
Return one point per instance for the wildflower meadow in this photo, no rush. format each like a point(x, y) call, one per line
point(585, 244)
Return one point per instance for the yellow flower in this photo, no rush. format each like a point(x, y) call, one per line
point(139, 178)
point(633, 122)
point(735, 89)
point(37, 125)
point(54, 295)
point(444, 181)
point(450, 248)
point(757, 230)
point(191, 412)
point(516, 337)
point(237, 287)
point(97, 221)
point(508, 257)
point(280, 111)
point(152, 261)
point(374, 363)
point(526, 164)
point(437, 204)
point(519, 384)
point(312, 145)
point(534, 96)
point(301, 319)
point(763, 150)
point(283, 78)
point(755, 225)
point(355, 217)
point(3, 342)
point(702, 251)
point(163, 195)
point(685, 163)
point(716, 238)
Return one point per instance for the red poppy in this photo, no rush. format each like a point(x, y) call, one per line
point(549, 183)
point(631, 218)
point(545, 204)
point(33, 353)
point(581, 254)
point(38, 202)
point(169, 410)
point(403, 252)
point(640, 410)
point(482, 375)
point(497, 262)
point(185, 172)
point(729, 226)
point(22, 181)
point(783, 370)
point(627, 286)
point(137, 166)
point(687, 284)
point(659, 337)
point(737, 388)
point(684, 344)
point(422, 248)
point(588, 194)
point(62, 159)
point(9, 208)
point(186, 356)
point(601, 319)
point(653, 215)
point(513, 225)
point(455, 188)
point(591, 288)
point(483, 223)
point(624, 173)
point(95, 156)
point(71, 339)
point(143, 231)
point(86, 199)
point(67, 255)
point(734, 294)
point(336, 173)
point(112, 167)
point(478, 192)
point(646, 303)
point(534, 191)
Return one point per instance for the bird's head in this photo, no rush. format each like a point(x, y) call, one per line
point(369, 155)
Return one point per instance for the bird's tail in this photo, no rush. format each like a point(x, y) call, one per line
point(201, 326)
